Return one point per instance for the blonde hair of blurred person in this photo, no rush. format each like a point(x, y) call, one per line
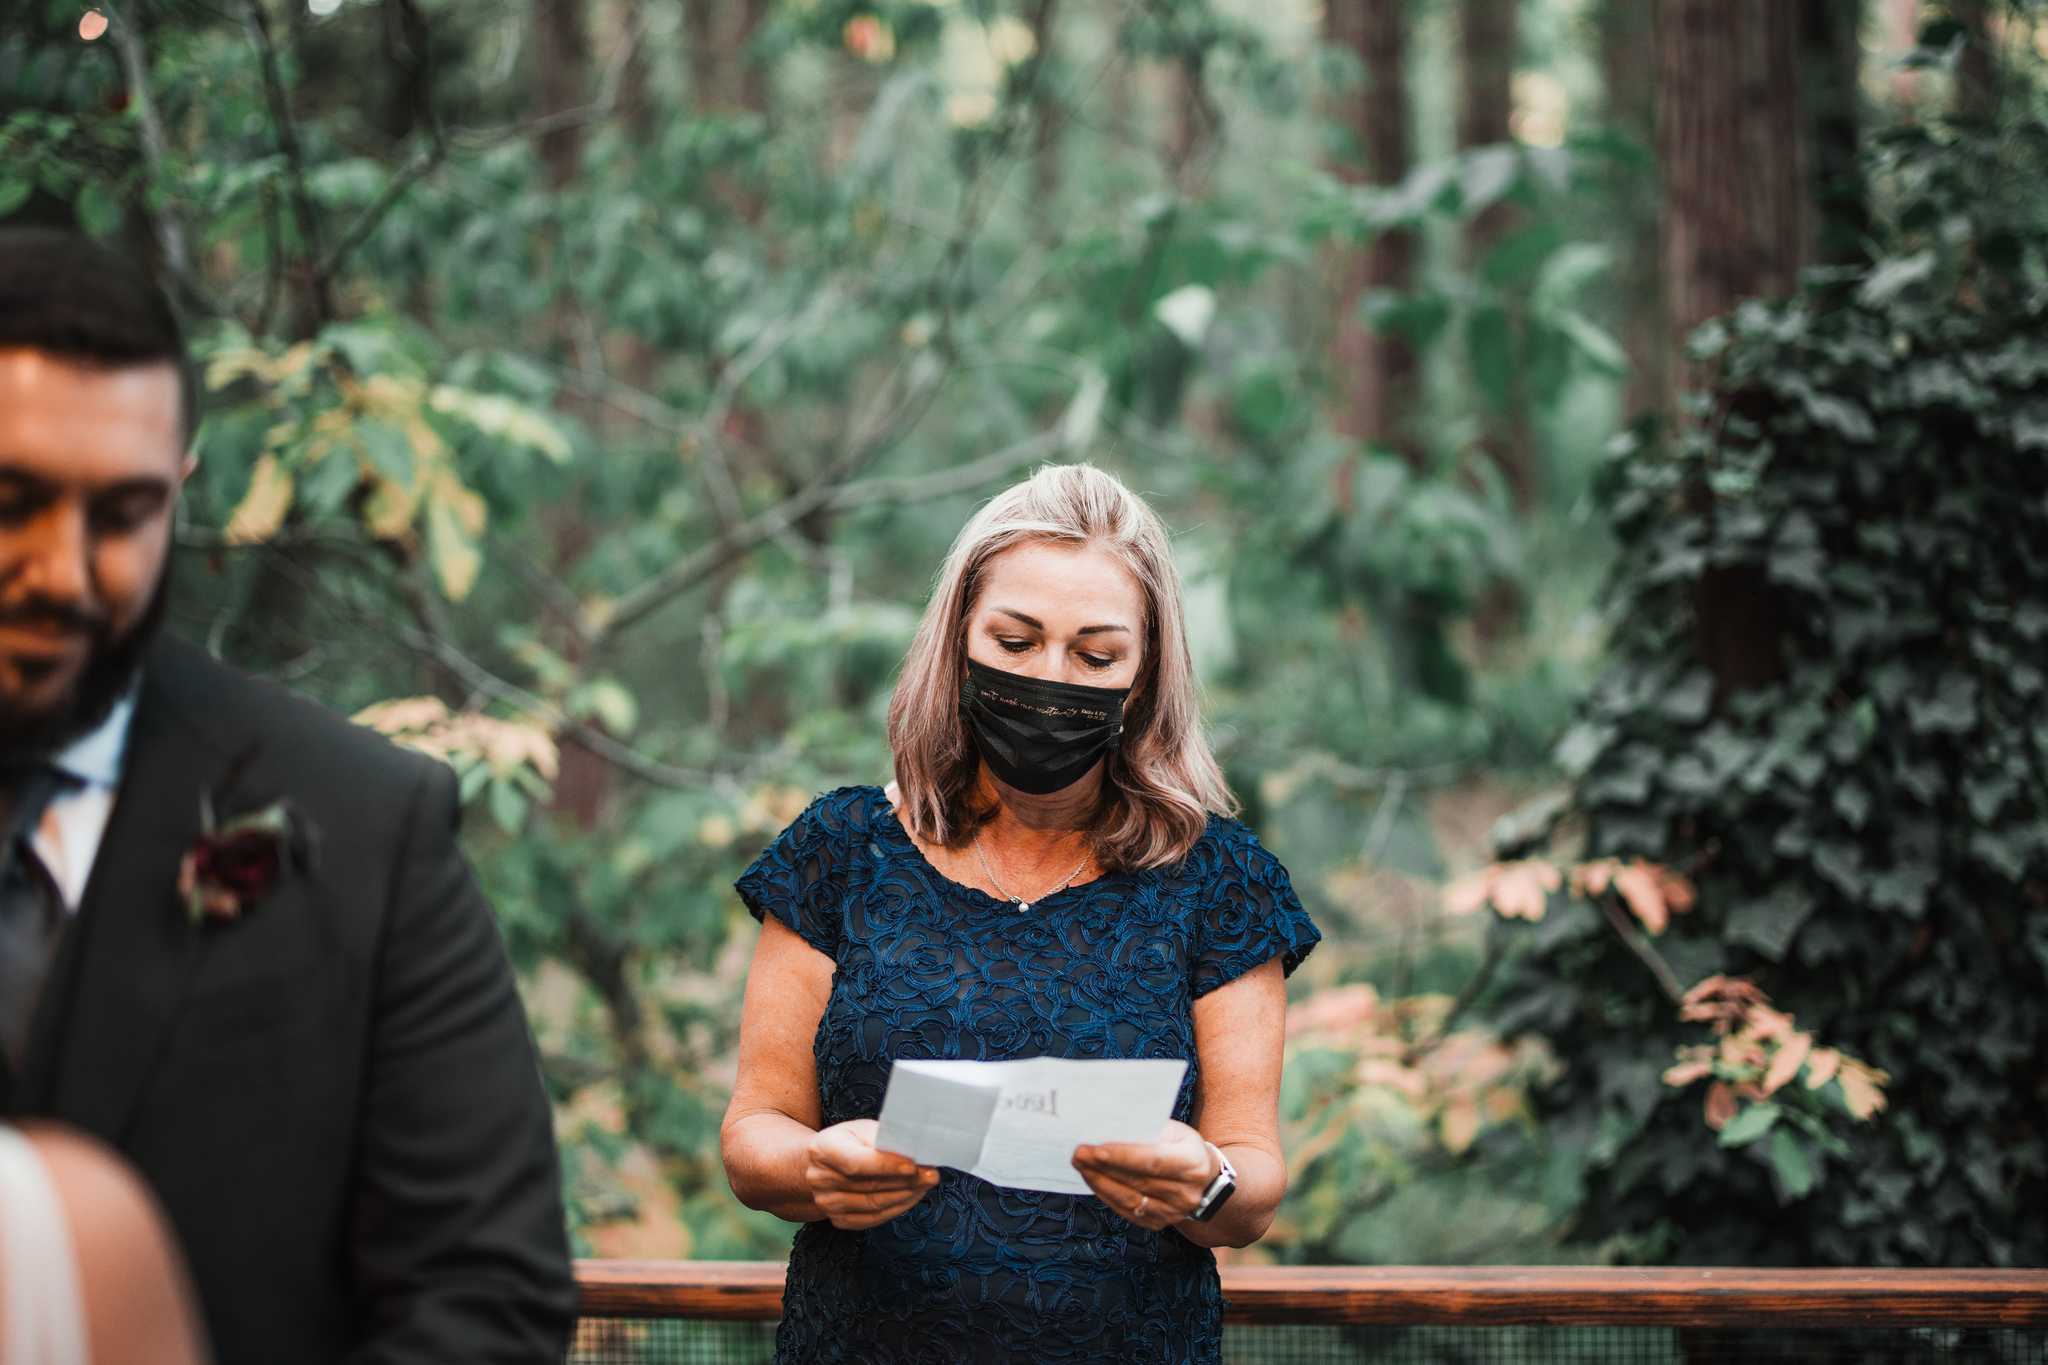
point(102, 1279)
point(1162, 783)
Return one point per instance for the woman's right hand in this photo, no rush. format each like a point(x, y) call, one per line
point(857, 1184)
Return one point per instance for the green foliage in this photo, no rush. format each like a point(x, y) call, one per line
point(620, 490)
point(1826, 698)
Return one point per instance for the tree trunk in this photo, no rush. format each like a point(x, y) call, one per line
point(700, 53)
point(1486, 98)
point(1831, 36)
point(1046, 122)
point(1736, 223)
point(1375, 373)
point(750, 90)
point(562, 84)
point(1191, 134)
point(561, 54)
point(1486, 50)
point(1977, 66)
point(1628, 75)
point(636, 100)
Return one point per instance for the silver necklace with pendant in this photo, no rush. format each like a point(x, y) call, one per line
point(1024, 906)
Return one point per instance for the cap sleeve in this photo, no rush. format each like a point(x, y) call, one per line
point(799, 878)
point(1247, 912)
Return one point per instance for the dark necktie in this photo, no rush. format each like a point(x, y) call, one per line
point(31, 906)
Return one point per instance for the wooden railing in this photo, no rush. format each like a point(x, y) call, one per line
point(1419, 1296)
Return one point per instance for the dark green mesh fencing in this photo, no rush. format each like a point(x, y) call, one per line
point(636, 1342)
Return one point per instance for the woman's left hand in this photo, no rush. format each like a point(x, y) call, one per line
point(1153, 1184)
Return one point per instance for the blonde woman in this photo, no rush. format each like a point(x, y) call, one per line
point(1054, 872)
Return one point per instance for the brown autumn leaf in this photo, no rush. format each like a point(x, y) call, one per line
point(1517, 890)
point(1591, 879)
point(1862, 1087)
point(1392, 1075)
point(1644, 895)
point(1458, 1125)
point(1678, 890)
point(1721, 1001)
point(1791, 1055)
point(1720, 1105)
point(1522, 891)
point(1695, 1063)
point(1821, 1065)
point(1337, 1010)
point(1763, 1022)
point(1742, 1051)
point(1469, 892)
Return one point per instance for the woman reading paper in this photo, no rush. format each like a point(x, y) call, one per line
point(1054, 872)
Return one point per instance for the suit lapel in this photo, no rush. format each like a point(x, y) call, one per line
point(128, 956)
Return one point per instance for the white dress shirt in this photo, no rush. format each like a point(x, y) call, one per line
point(68, 839)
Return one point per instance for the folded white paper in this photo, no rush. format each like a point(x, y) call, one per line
point(1018, 1123)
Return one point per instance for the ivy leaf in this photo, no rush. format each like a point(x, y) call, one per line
point(1904, 888)
point(1839, 415)
point(1769, 924)
point(1689, 701)
point(1491, 350)
point(1488, 173)
point(14, 192)
point(99, 212)
point(1792, 1165)
point(1893, 277)
point(1749, 1125)
point(1951, 711)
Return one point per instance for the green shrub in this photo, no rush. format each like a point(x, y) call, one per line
point(1827, 703)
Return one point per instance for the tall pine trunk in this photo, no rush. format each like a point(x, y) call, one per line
point(1736, 224)
point(1628, 75)
point(1977, 66)
point(1486, 69)
point(1375, 374)
point(1736, 221)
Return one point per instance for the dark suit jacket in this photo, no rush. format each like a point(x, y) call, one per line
point(335, 1096)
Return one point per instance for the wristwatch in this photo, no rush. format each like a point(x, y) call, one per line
point(1220, 1189)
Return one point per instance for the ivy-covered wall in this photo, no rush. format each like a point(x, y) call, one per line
point(1829, 705)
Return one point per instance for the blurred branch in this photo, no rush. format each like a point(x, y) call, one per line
point(561, 120)
point(826, 493)
point(256, 17)
point(431, 637)
point(717, 464)
point(424, 162)
point(1633, 940)
point(170, 232)
point(1467, 994)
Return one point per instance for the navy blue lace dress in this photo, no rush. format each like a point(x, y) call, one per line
point(927, 967)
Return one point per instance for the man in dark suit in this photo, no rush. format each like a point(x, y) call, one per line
point(310, 1045)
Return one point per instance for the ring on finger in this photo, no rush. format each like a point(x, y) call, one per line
point(1143, 1200)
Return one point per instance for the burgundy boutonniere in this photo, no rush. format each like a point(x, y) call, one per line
point(236, 863)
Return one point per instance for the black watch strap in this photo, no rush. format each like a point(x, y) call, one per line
point(1220, 1189)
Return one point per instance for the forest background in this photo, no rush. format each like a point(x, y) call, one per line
point(1650, 716)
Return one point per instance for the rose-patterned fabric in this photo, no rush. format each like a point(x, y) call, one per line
point(929, 968)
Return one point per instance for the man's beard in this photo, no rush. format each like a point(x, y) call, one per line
point(110, 670)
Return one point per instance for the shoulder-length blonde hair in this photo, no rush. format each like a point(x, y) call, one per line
point(1162, 782)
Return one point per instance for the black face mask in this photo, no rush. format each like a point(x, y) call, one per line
point(1039, 736)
